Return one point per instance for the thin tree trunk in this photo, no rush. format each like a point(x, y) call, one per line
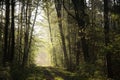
point(21, 34)
point(26, 38)
point(31, 34)
point(51, 37)
point(7, 15)
point(58, 9)
point(69, 45)
point(12, 32)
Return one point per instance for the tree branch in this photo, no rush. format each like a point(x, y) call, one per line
point(68, 11)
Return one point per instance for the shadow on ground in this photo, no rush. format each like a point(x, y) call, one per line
point(50, 73)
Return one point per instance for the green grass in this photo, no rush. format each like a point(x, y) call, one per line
point(43, 73)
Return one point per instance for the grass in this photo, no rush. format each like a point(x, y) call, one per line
point(43, 73)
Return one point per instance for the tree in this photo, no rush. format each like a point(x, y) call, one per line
point(58, 6)
point(7, 22)
point(12, 32)
point(107, 40)
point(79, 9)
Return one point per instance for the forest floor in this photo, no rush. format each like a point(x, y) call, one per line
point(50, 73)
point(45, 73)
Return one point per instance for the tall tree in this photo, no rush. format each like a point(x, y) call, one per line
point(58, 6)
point(12, 31)
point(79, 8)
point(26, 37)
point(7, 22)
point(107, 40)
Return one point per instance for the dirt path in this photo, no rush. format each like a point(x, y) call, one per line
point(49, 73)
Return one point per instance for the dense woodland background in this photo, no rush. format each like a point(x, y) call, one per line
point(84, 38)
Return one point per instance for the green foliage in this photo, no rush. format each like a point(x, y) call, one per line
point(5, 73)
point(91, 72)
point(114, 46)
point(114, 49)
point(115, 16)
point(42, 73)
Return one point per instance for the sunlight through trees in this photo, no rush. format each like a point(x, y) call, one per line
point(59, 39)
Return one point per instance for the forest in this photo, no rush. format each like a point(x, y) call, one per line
point(59, 39)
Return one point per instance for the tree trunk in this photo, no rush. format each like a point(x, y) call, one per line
point(12, 32)
point(58, 9)
point(26, 38)
point(79, 8)
point(107, 41)
point(7, 15)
